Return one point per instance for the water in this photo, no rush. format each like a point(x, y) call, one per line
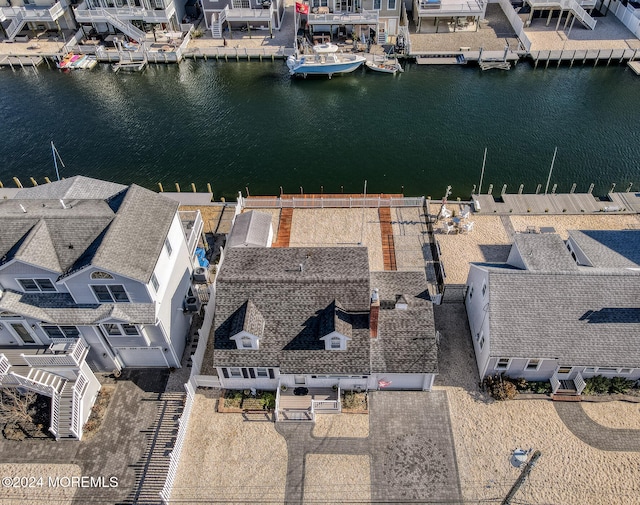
point(248, 124)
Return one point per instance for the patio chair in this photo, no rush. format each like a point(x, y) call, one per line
point(448, 228)
point(445, 213)
point(467, 227)
point(465, 212)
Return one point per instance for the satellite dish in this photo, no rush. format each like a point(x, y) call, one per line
point(519, 457)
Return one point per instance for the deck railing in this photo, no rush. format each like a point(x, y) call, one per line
point(320, 202)
point(73, 356)
point(54, 428)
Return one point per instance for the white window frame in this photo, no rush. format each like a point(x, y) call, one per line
point(379, 7)
point(332, 342)
point(607, 369)
point(481, 344)
point(484, 289)
point(501, 367)
point(561, 368)
point(528, 366)
point(37, 284)
point(154, 282)
point(109, 289)
point(167, 246)
point(625, 371)
point(262, 373)
point(235, 372)
point(8, 325)
point(244, 340)
point(395, 4)
point(124, 330)
point(589, 369)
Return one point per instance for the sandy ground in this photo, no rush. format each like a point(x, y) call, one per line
point(488, 241)
point(225, 458)
point(36, 484)
point(333, 478)
point(210, 215)
point(579, 222)
point(339, 227)
point(617, 415)
point(341, 425)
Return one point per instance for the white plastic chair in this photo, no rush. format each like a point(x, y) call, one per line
point(448, 228)
point(467, 227)
point(445, 213)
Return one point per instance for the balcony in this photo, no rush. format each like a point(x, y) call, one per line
point(192, 225)
point(444, 8)
point(35, 13)
point(87, 14)
point(344, 18)
point(64, 352)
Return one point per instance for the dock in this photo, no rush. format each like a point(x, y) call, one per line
point(20, 61)
point(635, 66)
point(136, 66)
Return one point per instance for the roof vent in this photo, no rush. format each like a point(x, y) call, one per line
point(62, 203)
point(23, 209)
point(301, 267)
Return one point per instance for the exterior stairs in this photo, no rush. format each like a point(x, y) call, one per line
point(44, 382)
point(152, 468)
point(16, 25)
point(65, 413)
point(124, 26)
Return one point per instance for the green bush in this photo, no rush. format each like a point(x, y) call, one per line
point(597, 385)
point(620, 385)
point(269, 400)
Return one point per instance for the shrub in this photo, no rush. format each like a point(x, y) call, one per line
point(499, 387)
point(597, 385)
point(620, 385)
point(354, 401)
point(269, 400)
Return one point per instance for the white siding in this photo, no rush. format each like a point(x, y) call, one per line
point(478, 316)
point(142, 356)
point(20, 270)
point(79, 286)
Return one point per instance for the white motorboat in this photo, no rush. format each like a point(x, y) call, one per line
point(325, 60)
point(387, 66)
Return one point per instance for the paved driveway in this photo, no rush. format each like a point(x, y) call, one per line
point(410, 447)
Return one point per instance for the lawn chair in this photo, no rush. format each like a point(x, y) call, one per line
point(465, 212)
point(448, 228)
point(445, 213)
point(467, 227)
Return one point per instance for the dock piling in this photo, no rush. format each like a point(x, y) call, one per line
point(209, 190)
point(613, 187)
point(193, 187)
point(177, 187)
point(1, 185)
point(17, 182)
point(573, 188)
point(33, 181)
point(590, 189)
point(553, 189)
point(47, 180)
point(520, 189)
point(538, 188)
point(490, 189)
point(504, 189)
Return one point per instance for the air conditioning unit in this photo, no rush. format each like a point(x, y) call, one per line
point(192, 304)
point(201, 275)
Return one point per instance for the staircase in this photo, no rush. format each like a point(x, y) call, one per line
point(16, 25)
point(217, 23)
point(41, 381)
point(124, 26)
point(581, 14)
point(151, 470)
point(65, 413)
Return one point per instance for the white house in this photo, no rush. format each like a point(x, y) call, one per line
point(317, 319)
point(15, 15)
point(104, 262)
point(559, 311)
point(222, 15)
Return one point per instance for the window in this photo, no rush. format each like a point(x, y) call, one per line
point(246, 342)
point(110, 293)
point(235, 373)
point(564, 369)
point(589, 369)
point(154, 282)
point(484, 289)
point(625, 371)
point(23, 333)
point(262, 372)
point(377, 4)
point(533, 364)
point(392, 5)
point(502, 364)
point(470, 291)
point(481, 344)
point(61, 331)
point(120, 330)
point(606, 369)
point(336, 342)
point(36, 285)
point(167, 246)
point(101, 275)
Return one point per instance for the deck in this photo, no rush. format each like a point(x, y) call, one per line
point(292, 407)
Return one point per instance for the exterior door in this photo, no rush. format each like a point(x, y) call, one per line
point(393, 26)
point(24, 335)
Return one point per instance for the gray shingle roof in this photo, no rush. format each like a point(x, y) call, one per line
point(330, 293)
point(584, 318)
point(293, 303)
point(60, 308)
point(248, 318)
point(135, 237)
point(406, 338)
point(546, 251)
point(250, 229)
point(77, 187)
point(609, 248)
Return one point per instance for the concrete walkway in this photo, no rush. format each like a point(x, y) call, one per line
point(410, 446)
point(591, 433)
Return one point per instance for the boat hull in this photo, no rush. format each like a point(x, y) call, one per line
point(305, 67)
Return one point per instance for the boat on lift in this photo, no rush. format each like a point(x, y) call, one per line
point(324, 60)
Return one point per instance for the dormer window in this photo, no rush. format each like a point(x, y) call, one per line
point(336, 342)
point(246, 342)
point(101, 275)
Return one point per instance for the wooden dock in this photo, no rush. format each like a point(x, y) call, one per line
point(635, 66)
point(20, 61)
point(388, 246)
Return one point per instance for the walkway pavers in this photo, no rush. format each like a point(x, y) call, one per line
point(410, 446)
point(594, 434)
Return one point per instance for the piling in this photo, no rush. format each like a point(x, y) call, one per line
point(177, 187)
point(629, 187)
point(590, 189)
point(490, 189)
point(504, 189)
point(47, 180)
point(160, 187)
point(193, 187)
point(33, 181)
point(209, 190)
point(1, 185)
point(553, 189)
point(18, 183)
point(573, 188)
point(613, 187)
point(520, 189)
point(538, 188)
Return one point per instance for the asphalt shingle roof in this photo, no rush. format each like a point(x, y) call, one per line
point(76, 187)
point(584, 318)
point(609, 248)
point(545, 251)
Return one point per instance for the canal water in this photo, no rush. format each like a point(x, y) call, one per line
point(241, 125)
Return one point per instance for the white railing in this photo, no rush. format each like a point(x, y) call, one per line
point(36, 385)
point(16, 25)
point(325, 405)
point(579, 382)
point(77, 407)
point(192, 225)
point(470, 7)
point(344, 18)
point(571, 5)
point(73, 356)
point(174, 462)
point(55, 415)
point(84, 13)
point(4, 366)
point(320, 202)
point(555, 382)
point(516, 23)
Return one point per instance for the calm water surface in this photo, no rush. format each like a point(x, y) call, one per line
point(248, 124)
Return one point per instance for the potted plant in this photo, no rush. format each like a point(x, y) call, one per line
point(283, 387)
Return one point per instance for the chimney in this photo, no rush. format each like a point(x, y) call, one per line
point(374, 312)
